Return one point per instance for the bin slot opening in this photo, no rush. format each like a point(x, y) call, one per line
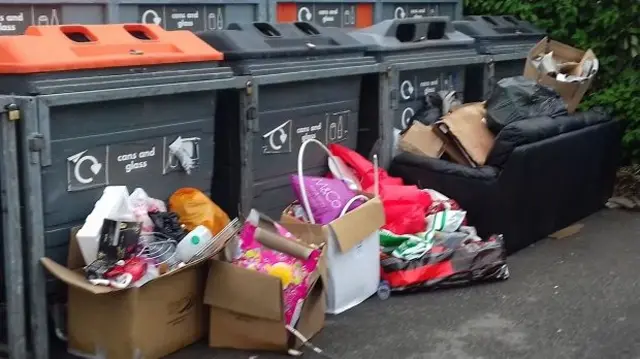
point(511, 19)
point(78, 33)
point(266, 29)
point(307, 28)
point(406, 32)
point(436, 30)
point(140, 32)
point(490, 20)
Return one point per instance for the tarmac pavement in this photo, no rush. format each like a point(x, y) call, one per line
point(571, 298)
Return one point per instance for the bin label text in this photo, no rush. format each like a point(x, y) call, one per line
point(128, 162)
point(184, 17)
point(328, 14)
point(310, 132)
point(403, 11)
point(14, 19)
point(277, 140)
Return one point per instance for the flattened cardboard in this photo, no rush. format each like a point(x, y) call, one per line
point(467, 131)
point(352, 228)
point(246, 310)
point(152, 321)
point(421, 140)
point(572, 93)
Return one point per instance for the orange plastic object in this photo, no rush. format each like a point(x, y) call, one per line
point(194, 209)
point(76, 47)
point(364, 15)
point(287, 12)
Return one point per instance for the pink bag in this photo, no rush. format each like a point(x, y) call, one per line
point(323, 199)
point(327, 196)
point(294, 272)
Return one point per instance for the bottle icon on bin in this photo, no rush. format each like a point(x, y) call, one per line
point(215, 20)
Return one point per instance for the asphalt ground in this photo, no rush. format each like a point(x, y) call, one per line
point(576, 297)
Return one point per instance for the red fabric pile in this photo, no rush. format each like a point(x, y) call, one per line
point(405, 206)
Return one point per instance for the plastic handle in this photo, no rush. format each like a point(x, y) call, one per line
point(303, 190)
point(350, 202)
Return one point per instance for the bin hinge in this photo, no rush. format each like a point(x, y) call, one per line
point(36, 142)
point(13, 111)
point(252, 119)
point(393, 98)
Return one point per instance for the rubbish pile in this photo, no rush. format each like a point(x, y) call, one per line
point(129, 240)
point(556, 77)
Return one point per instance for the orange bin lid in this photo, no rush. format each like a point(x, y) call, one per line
point(78, 47)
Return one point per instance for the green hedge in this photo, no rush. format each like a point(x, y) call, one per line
point(611, 28)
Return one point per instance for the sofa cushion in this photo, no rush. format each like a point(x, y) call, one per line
point(537, 129)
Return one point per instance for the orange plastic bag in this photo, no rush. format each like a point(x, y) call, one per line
point(195, 208)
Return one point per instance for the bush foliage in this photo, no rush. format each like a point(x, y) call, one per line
point(611, 28)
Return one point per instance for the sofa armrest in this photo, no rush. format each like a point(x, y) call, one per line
point(538, 129)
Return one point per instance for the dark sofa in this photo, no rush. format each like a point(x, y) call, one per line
point(542, 175)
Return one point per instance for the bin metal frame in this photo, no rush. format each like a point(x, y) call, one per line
point(12, 231)
point(279, 73)
point(35, 146)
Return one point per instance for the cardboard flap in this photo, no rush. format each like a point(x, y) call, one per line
point(421, 140)
point(244, 291)
point(74, 278)
point(467, 129)
point(357, 225)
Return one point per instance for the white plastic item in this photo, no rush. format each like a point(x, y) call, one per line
point(193, 242)
point(354, 275)
point(114, 204)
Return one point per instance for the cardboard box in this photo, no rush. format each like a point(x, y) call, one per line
point(155, 320)
point(467, 140)
point(571, 92)
point(353, 253)
point(247, 312)
point(421, 140)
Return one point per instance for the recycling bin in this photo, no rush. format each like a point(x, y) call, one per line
point(307, 82)
point(16, 17)
point(100, 105)
point(347, 14)
point(506, 41)
point(200, 15)
point(407, 9)
point(420, 55)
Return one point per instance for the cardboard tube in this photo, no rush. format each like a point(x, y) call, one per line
point(282, 244)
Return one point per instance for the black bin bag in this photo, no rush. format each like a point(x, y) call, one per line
point(517, 98)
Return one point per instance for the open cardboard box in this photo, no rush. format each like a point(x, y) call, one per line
point(352, 272)
point(349, 230)
point(152, 321)
point(571, 92)
point(247, 311)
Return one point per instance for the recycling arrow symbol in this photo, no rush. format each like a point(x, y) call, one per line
point(406, 90)
point(151, 16)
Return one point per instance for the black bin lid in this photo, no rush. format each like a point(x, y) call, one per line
point(498, 28)
point(262, 40)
